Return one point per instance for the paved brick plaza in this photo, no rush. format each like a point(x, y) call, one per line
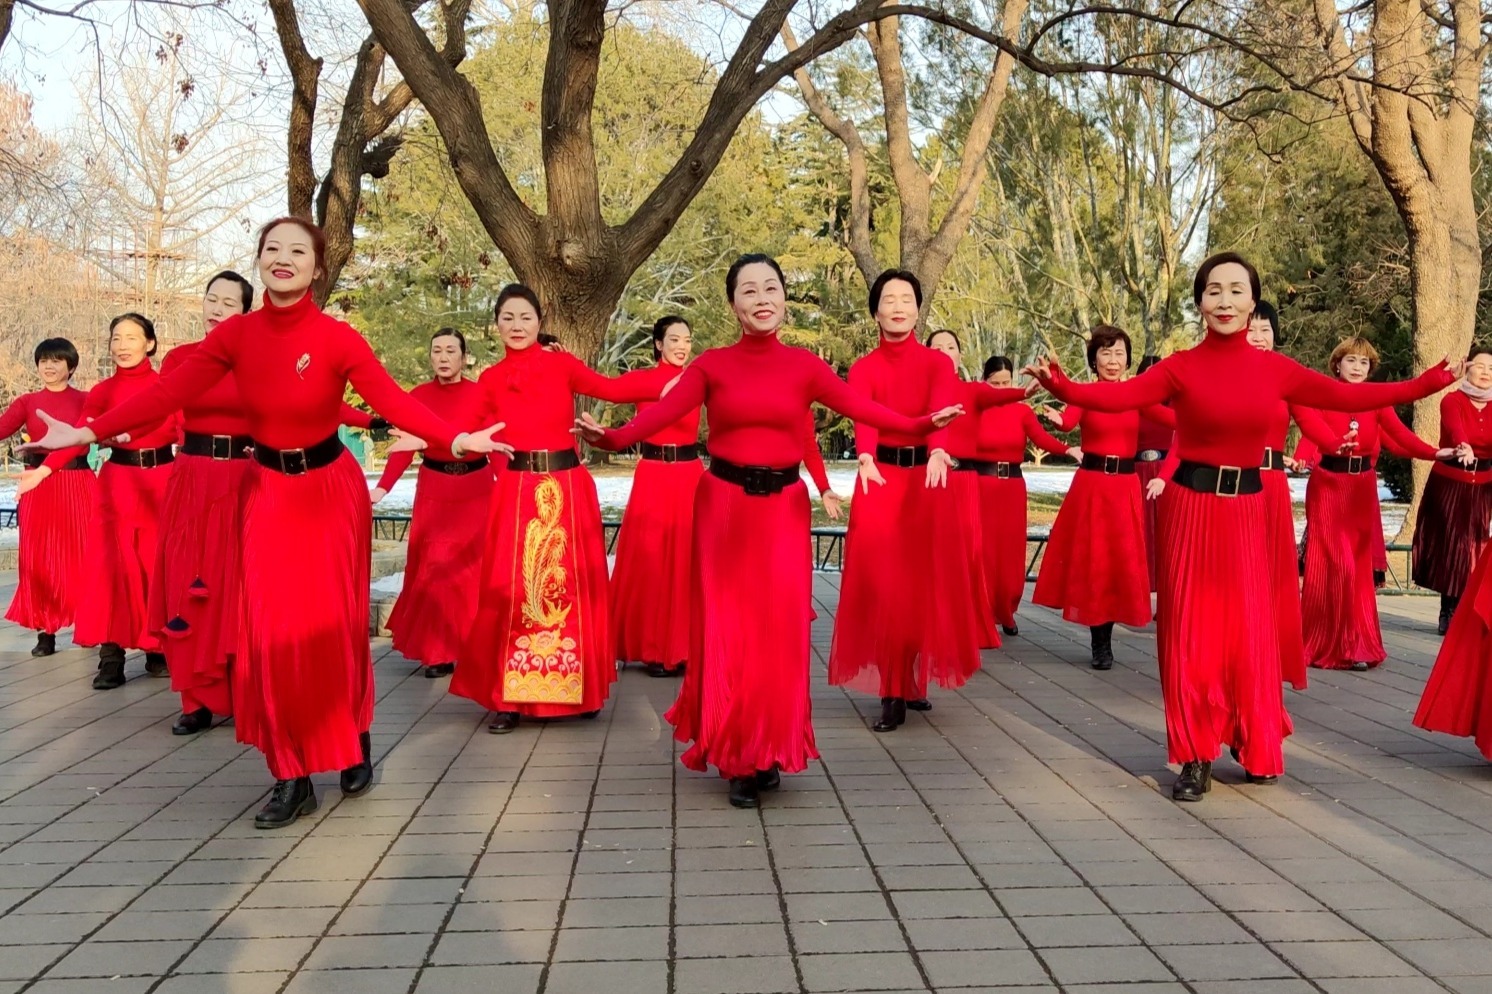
point(1013, 840)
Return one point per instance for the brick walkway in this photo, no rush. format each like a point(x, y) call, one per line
point(1018, 838)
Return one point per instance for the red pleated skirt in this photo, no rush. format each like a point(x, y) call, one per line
point(541, 642)
point(194, 608)
point(1146, 471)
point(443, 568)
point(1339, 606)
point(1094, 569)
point(1003, 527)
point(1218, 647)
point(1458, 696)
point(744, 704)
point(907, 594)
point(120, 557)
point(650, 615)
point(968, 535)
point(1285, 570)
point(1450, 532)
point(303, 676)
point(55, 519)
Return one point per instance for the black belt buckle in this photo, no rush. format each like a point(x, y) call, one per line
point(1355, 464)
point(1002, 470)
point(538, 461)
point(1110, 461)
point(756, 481)
point(147, 458)
point(293, 462)
point(1229, 481)
point(222, 447)
point(668, 452)
point(909, 452)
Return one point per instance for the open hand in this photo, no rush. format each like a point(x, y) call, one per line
point(32, 478)
point(833, 505)
point(1155, 488)
point(59, 435)
point(405, 442)
point(1053, 415)
point(869, 473)
point(376, 495)
point(589, 428)
point(480, 442)
point(943, 418)
point(938, 464)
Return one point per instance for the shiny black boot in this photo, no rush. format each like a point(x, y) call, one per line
point(768, 779)
point(1194, 782)
point(288, 801)
point(110, 667)
point(893, 714)
point(155, 664)
point(439, 670)
point(1103, 646)
point(920, 704)
point(357, 779)
point(503, 722)
point(192, 722)
point(1011, 629)
point(46, 644)
point(743, 792)
point(1447, 611)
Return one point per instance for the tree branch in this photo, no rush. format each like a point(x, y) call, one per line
point(305, 80)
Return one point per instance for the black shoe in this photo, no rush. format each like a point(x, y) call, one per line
point(288, 801)
point(893, 714)
point(1195, 781)
point(1103, 649)
point(155, 664)
point(356, 780)
point(768, 779)
point(920, 704)
point(1361, 667)
point(743, 792)
point(1447, 611)
point(503, 722)
point(192, 722)
point(1011, 629)
point(439, 670)
point(110, 667)
point(659, 670)
point(1251, 778)
point(46, 644)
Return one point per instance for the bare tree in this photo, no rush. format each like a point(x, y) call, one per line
point(7, 13)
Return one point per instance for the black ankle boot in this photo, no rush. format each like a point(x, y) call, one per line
point(920, 704)
point(768, 779)
point(439, 670)
point(1103, 646)
point(110, 667)
point(155, 664)
point(743, 792)
point(1447, 611)
point(357, 779)
point(893, 714)
point(288, 801)
point(503, 722)
point(1195, 781)
point(46, 644)
point(1011, 629)
point(192, 722)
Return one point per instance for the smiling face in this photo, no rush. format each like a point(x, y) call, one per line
point(447, 359)
point(896, 311)
point(518, 324)
point(53, 372)
point(1261, 334)
point(1354, 368)
point(1111, 361)
point(1227, 299)
point(287, 263)
point(760, 299)
point(128, 345)
point(945, 343)
point(1479, 370)
point(223, 299)
point(677, 345)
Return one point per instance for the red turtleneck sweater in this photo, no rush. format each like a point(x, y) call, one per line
point(461, 404)
point(292, 365)
point(758, 392)
point(106, 397)
point(218, 410)
point(1106, 433)
point(1225, 394)
point(1003, 432)
point(24, 412)
point(533, 393)
point(976, 397)
point(1376, 430)
point(909, 378)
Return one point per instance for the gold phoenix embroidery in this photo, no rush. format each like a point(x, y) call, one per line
point(544, 542)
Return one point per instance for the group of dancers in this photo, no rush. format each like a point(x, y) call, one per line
point(239, 559)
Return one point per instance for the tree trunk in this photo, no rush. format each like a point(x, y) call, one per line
point(7, 11)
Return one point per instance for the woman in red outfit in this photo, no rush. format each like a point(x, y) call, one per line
point(438, 602)
point(541, 643)
point(745, 700)
point(303, 683)
point(1219, 650)
point(1003, 434)
point(54, 515)
point(1339, 604)
point(1456, 509)
point(1094, 570)
point(124, 526)
point(193, 607)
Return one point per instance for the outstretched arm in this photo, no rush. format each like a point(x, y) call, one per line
point(1314, 429)
point(1044, 439)
point(837, 395)
point(207, 364)
point(14, 417)
point(1306, 386)
point(1154, 386)
point(688, 393)
point(1399, 440)
point(629, 388)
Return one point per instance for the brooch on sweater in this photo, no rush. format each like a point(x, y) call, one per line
point(301, 364)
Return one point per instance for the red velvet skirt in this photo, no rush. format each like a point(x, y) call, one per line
point(194, 603)
point(1003, 527)
point(1218, 648)
point(1285, 570)
point(1339, 605)
point(541, 642)
point(303, 674)
point(55, 519)
point(1147, 471)
point(969, 536)
point(650, 584)
point(907, 597)
point(1094, 570)
point(1458, 696)
point(120, 557)
point(744, 704)
point(443, 568)
point(1450, 532)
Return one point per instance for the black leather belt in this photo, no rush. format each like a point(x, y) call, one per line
point(1480, 466)
point(758, 481)
point(299, 462)
point(1273, 459)
point(216, 446)
point(1346, 464)
point(670, 453)
point(458, 468)
point(1108, 465)
point(34, 460)
point(1224, 481)
point(143, 458)
point(905, 456)
point(1151, 455)
point(544, 460)
point(988, 467)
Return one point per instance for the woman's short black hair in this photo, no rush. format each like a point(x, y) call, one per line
point(1476, 350)
point(1222, 258)
point(660, 328)
point(145, 324)
point(1103, 336)
point(245, 288)
point(517, 291)
point(750, 259)
point(57, 348)
point(450, 333)
point(996, 363)
point(1146, 362)
point(1264, 309)
point(944, 331)
point(546, 339)
point(879, 287)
